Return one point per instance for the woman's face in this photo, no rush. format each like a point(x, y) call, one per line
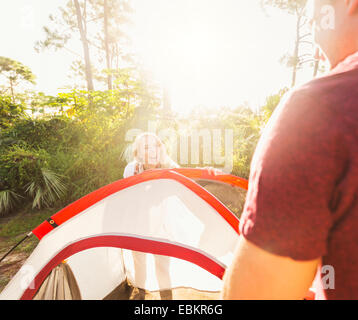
point(149, 151)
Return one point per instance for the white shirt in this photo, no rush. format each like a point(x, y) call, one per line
point(130, 168)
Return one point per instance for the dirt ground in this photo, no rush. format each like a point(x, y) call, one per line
point(13, 228)
point(10, 266)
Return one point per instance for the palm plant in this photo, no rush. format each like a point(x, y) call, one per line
point(45, 190)
point(8, 200)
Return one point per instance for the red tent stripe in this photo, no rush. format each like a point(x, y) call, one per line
point(100, 194)
point(126, 242)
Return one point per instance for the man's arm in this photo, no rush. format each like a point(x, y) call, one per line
point(256, 274)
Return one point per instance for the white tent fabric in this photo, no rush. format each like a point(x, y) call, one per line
point(147, 271)
point(158, 212)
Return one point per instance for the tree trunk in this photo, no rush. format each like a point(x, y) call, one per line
point(316, 66)
point(296, 52)
point(108, 59)
point(88, 70)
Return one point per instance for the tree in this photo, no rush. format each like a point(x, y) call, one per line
point(83, 33)
point(297, 59)
point(72, 20)
point(15, 72)
point(108, 18)
point(98, 24)
point(9, 111)
point(106, 42)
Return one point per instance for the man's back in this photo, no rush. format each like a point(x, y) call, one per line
point(340, 94)
point(302, 201)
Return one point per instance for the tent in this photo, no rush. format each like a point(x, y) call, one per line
point(163, 234)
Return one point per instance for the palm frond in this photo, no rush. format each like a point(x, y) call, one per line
point(54, 184)
point(46, 191)
point(8, 200)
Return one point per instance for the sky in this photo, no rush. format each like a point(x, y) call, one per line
point(208, 53)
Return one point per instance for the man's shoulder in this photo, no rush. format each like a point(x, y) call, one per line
point(311, 107)
point(329, 91)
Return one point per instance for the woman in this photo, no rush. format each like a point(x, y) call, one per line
point(149, 153)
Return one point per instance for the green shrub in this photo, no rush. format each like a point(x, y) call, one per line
point(9, 111)
point(25, 172)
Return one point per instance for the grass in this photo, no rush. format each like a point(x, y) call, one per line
point(23, 222)
point(3, 282)
point(12, 229)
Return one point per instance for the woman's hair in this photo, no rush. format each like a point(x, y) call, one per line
point(164, 160)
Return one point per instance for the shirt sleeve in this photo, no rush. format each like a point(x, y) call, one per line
point(129, 170)
point(293, 174)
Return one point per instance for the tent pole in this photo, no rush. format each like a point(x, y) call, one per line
point(16, 245)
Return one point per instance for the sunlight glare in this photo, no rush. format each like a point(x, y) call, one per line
point(212, 53)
